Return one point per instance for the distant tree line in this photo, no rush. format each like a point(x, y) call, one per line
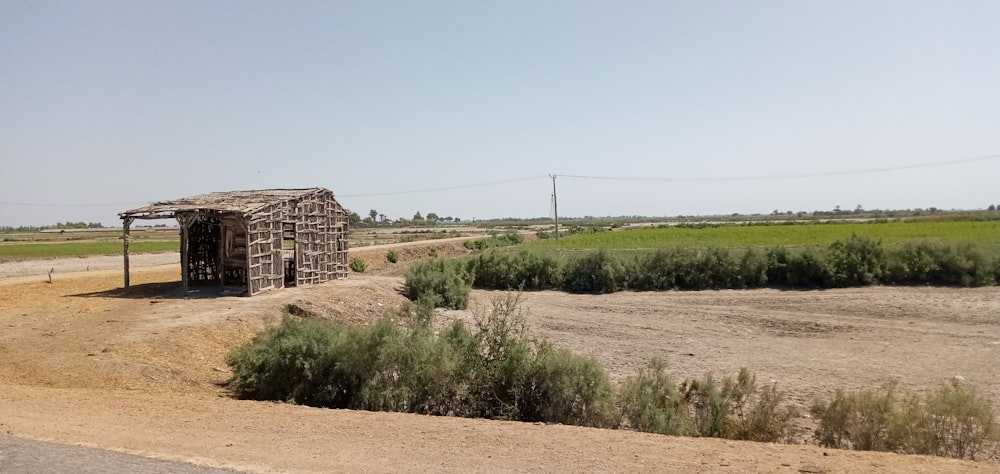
point(58, 225)
point(376, 218)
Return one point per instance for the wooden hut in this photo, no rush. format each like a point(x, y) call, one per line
point(252, 241)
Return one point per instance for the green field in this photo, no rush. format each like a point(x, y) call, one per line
point(889, 233)
point(79, 249)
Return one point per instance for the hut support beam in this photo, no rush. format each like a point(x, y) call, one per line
point(185, 258)
point(222, 255)
point(127, 224)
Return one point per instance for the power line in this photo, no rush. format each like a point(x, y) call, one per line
point(387, 193)
point(609, 178)
point(791, 175)
point(446, 188)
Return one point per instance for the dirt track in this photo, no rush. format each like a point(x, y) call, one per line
point(81, 362)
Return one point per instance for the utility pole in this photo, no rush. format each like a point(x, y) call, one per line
point(555, 204)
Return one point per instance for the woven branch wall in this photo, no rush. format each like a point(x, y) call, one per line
point(320, 247)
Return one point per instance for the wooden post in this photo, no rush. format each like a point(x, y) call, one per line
point(245, 227)
point(185, 263)
point(555, 205)
point(222, 254)
point(127, 223)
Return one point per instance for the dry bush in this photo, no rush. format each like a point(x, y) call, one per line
point(953, 421)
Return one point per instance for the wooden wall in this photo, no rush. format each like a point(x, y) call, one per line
point(320, 242)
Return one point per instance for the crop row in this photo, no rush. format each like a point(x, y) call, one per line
point(758, 235)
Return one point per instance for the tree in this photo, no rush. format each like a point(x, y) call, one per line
point(418, 217)
point(992, 207)
point(373, 213)
point(353, 219)
point(432, 216)
point(458, 219)
point(381, 217)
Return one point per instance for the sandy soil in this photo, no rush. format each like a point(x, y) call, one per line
point(62, 266)
point(83, 362)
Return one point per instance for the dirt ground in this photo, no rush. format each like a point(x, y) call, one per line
point(83, 362)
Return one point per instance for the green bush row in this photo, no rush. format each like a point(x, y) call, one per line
point(856, 261)
point(495, 240)
point(497, 370)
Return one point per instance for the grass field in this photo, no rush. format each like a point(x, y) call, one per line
point(79, 249)
point(110, 235)
point(891, 233)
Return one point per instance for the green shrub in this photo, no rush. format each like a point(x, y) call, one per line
point(855, 261)
point(866, 420)
point(514, 271)
point(444, 283)
point(941, 263)
point(392, 256)
point(739, 409)
point(498, 372)
point(515, 377)
point(596, 272)
point(651, 402)
point(357, 265)
point(757, 411)
point(952, 421)
point(710, 406)
point(657, 270)
point(292, 362)
point(570, 389)
point(711, 268)
point(957, 422)
point(809, 268)
point(494, 241)
point(503, 363)
point(752, 270)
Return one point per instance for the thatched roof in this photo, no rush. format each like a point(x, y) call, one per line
point(241, 202)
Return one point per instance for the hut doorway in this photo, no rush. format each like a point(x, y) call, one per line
point(288, 252)
point(216, 250)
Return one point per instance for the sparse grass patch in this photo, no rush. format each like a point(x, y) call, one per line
point(358, 265)
point(495, 240)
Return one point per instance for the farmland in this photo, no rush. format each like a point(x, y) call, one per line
point(761, 235)
point(83, 361)
point(35, 245)
point(75, 249)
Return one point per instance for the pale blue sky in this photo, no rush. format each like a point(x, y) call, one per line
point(121, 103)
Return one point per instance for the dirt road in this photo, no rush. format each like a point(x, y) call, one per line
point(82, 362)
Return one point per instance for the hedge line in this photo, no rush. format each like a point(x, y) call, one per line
point(856, 261)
